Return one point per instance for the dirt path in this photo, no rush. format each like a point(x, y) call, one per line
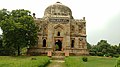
point(57, 63)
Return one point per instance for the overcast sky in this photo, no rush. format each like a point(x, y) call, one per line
point(102, 16)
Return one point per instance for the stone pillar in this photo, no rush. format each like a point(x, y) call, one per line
point(50, 35)
point(40, 42)
point(76, 42)
point(85, 45)
point(68, 34)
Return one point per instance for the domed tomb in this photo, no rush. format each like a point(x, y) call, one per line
point(58, 10)
point(59, 33)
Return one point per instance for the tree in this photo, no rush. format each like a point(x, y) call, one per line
point(19, 29)
point(88, 46)
point(1, 41)
point(118, 48)
point(4, 14)
point(103, 46)
point(94, 49)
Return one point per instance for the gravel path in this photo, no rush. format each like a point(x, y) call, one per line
point(57, 63)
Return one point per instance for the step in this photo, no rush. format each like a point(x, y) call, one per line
point(58, 53)
point(58, 57)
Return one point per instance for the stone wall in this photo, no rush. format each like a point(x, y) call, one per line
point(38, 51)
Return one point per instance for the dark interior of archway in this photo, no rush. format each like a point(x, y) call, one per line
point(44, 43)
point(58, 34)
point(72, 44)
point(59, 44)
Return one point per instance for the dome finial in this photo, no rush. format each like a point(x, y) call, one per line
point(34, 15)
point(57, 2)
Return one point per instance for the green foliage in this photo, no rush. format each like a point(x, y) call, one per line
point(106, 55)
point(22, 61)
point(92, 53)
point(85, 59)
point(118, 62)
point(94, 61)
point(57, 47)
point(88, 46)
point(100, 54)
point(109, 55)
point(103, 46)
point(117, 55)
point(104, 49)
point(5, 51)
point(118, 49)
point(4, 14)
point(1, 41)
point(19, 29)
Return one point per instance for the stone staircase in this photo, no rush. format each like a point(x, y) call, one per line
point(58, 55)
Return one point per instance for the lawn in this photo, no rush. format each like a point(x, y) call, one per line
point(23, 61)
point(40, 61)
point(92, 62)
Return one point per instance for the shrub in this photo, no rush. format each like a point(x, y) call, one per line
point(111, 54)
point(117, 55)
point(85, 59)
point(7, 52)
point(92, 53)
point(100, 54)
point(107, 55)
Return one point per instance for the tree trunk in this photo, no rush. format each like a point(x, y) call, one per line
point(18, 50)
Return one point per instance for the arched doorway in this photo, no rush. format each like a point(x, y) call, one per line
point(58, 45)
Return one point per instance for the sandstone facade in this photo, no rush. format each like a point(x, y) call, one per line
point(59, 31)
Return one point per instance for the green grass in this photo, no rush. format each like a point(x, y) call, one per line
point(72, 61)
point(92, 62)
point(23, 61)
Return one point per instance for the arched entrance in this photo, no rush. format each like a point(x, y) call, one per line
point(58, 45)
point(44, 43)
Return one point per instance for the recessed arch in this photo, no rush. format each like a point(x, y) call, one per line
point(57, 26)
point(72, 43)
point(44, 42)
point(58, 34)
point(58, 45)
point(72, 28)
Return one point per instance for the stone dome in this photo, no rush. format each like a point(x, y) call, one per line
point(58, 10)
